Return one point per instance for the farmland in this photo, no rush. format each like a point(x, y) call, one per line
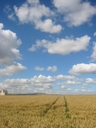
point(48, 111)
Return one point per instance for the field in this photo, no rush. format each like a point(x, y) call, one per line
point(48, 111)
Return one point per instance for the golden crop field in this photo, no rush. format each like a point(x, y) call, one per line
point(48, 111)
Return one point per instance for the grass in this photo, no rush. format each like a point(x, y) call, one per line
point(48, 111)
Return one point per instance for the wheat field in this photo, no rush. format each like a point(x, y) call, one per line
point(48, 111)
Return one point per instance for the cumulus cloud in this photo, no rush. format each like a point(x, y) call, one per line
point(9, 52)
point(48, 26)
point(8, 46)
point(90, 81)
point(64, 77)
point(53, 68)
point(83, 68)
point(42, 79)
point(76, 12)
point(12, 69)
point(93, 56)
point(39, 68)
point(33, 12)
point(63, 46)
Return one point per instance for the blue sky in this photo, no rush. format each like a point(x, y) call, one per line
point(48, 46)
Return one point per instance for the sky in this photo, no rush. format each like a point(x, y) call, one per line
point(48, 46)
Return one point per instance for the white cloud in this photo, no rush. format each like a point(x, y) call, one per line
point(82, 68)
point(16, 85)
point(93, 56)
point(38, 83)
point(53, 68)
point(76, 12)
point(64, 77)
point(48, 26)
point(43, 84)
point(94, 33)
point(39, 68)
point(42, 79)
point(33, 1)
point(33, 12)
point(90, 81)
point(8, 46)
point(9, 52)
point(70, 82)
point(49, 68)
point(63, 46)
point(68, 89)
point(76, 90)
point(63, 86)
point(12, 69)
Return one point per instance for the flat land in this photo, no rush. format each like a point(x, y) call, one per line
point(48, 111)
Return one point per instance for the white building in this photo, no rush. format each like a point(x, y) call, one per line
point(3, 92)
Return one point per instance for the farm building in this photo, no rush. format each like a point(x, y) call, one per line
point(3, 92)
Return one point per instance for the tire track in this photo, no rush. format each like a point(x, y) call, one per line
point(46, 111)
point(68, 115)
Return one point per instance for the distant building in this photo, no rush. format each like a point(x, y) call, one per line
point(3, 92)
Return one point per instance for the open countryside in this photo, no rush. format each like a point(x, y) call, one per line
point(48, 64)
point(48, 111)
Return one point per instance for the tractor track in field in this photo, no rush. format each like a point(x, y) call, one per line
point(46, 111)
point(68, 114)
